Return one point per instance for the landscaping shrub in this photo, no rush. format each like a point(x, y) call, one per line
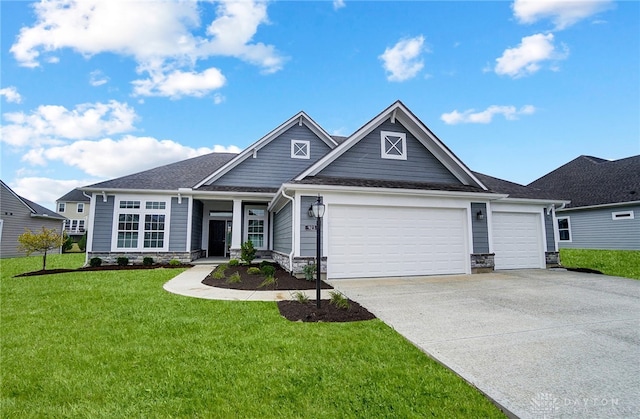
point(218, 273)
point(234, 262)
point(309, 272)
point(122, 261)
point(264, 263)
point(247, 252)
point(253, 271)
point(175, 262)
point(268, 270)
point(95, 262)
point(82, 243)
point(147, 261)
point(339, 300)
point(68, 243)
point(234, 279)
point(269, 280)
point(300, 297)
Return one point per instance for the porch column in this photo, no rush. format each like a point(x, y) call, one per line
point(236, 232)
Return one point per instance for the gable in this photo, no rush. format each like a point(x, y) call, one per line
point(382, 154)
point(278, 161)
point(432, 161)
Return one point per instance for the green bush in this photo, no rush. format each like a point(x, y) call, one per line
point(68, 243)
point(218, 273)
point(234, 279)
point(268, 270)
point(175, 262)
point(339, 300)
point(234, 262)
point(269, 280)
point(264, 263)
point(122, 261)
point(82, 243)
point(247, 252)
point(300, 297)
point(147, 261)
point(309, 271)
point(95, 262)
point(253, 271)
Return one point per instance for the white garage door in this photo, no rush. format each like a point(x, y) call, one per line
point(370, 242)
point(517, 240)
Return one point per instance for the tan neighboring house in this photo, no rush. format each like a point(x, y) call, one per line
point(74, 206)
point(16, 215)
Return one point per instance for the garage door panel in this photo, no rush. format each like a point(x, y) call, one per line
point(517, 240)
point(396, 241)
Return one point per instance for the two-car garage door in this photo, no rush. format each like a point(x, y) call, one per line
point(366, 241)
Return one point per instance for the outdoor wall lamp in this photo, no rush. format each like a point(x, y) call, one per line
point(480, 215)
point(317, 210)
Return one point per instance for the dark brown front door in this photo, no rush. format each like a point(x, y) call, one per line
point(217, 237)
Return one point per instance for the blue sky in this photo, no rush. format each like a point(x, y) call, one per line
point(98, 89)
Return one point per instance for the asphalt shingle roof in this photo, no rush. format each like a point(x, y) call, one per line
point(75, 195)
point(379, 183)
point(182, 174)
point(514, 190)
point(588, 181)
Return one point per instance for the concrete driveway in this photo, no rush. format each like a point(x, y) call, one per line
point(540, 343)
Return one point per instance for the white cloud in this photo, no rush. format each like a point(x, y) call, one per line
point(97, 78)
point(108, 158)
point(45, 191)
point(338, 4)
point(51, 124)
point(402, 61)
point(484, 117)
point(179, 83)
point(562, 13)
point(11, 94)
point(218, 98)
point(160, 35)
point(526, 58)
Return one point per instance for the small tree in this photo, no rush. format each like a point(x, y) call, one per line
point(247, 252)
point(68, 243)
point(82, 244)
point(44, 241)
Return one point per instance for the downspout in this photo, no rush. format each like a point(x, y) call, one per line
point(293, 229)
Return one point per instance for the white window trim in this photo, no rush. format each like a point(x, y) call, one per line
point(80, 207)
point(142, 211)
point(568, 228)
point(383, 145)
point(622, 215)
point(265, 218)
point(305, 156)
point(62, 205)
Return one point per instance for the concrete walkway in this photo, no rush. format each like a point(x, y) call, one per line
point(541, 343)
point(189, 283)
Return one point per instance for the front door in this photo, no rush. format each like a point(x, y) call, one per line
point(217, 237)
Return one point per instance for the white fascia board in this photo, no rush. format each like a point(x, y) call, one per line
point(277, 198)
point(533, 201)
point(588, 207)
point(231, 195)
point(273, 134)
point(113, 191)
point(300, 187)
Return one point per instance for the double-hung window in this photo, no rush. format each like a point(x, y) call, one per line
point(564, 229)
point(141, 225)
point(80, 207)
point(256, 225)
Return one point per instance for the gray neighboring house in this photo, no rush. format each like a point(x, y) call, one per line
point(604, 212)
point(74, 205)
point(398, 203)
point(16, 215)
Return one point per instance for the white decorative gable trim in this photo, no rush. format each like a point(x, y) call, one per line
point(300, 149)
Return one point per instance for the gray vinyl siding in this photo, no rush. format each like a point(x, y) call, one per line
point(282, 234)
point(307, 236)
point(103, 224)
point(273, 164)
point(196, 225)
point(15, 218)
point(549, 231)
point(364, 161)
point(594, 229)
point(479, 228)
point(178, 228)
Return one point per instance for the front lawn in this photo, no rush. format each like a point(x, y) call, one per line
point(115, 344)
point(624, 263)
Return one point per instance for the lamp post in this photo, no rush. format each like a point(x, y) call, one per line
point(317, 209)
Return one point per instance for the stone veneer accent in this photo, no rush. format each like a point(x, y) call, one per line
point(111, 258)
point(260, 254)
point(298, 263)
point(552, 259)
point(482, 263)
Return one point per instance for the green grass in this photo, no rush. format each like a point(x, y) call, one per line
point(115, 344)
point(624, 263)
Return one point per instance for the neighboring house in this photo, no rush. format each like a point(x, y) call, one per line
point(604, 212)
point(398, 202)
point(74, 205)
point(18, 214)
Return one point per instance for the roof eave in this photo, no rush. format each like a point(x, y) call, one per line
point(609, 205)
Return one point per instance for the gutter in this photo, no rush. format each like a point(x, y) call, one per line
point(293, 228)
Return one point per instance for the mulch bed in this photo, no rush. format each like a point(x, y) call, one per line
point(103, 268)
point(293, 310)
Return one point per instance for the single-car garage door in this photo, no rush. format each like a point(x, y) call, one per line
point(367, 241)
point(517, 240)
